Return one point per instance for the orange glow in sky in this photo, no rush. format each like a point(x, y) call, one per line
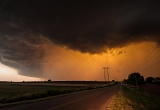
point(73, 65)
point(65, 64)
point(59, 40)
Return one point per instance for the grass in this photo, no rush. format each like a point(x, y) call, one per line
point(133, 99)
point(18, 92)
point(9, 90)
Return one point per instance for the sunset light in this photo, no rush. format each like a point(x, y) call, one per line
point(10, 74)
point(55, 47)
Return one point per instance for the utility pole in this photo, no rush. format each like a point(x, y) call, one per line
point(104, 74)
point(106, 68)
point(136, 80)
point(108, 74)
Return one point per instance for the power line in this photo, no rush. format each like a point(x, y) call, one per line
point(36, 29)
point(95, 61)
point(76, 56)
point(150, 66)
point(63, 33)
point(57, 42)
point(152, 57)
point(148, 57)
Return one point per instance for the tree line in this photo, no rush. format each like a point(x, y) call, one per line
point(137, 79)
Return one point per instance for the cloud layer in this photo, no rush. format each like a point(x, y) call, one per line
point(86, 26)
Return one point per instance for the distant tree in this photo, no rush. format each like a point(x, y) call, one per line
point(149, 80)
point(135, 79)
point(49, 80)
point(157, 80)
point(125, 81)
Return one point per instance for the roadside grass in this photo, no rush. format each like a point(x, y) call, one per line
point(133, 99)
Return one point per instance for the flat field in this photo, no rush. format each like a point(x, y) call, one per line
point(11, 92)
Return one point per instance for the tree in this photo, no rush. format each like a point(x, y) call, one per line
point(157, 80)
point(49, 80)
point(125, 81)
point(135, 79)
point(149, 80)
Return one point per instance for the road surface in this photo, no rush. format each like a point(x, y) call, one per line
point(95, 99)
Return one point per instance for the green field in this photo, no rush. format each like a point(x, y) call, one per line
point(11, 92)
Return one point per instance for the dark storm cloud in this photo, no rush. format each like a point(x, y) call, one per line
point(21, 54)
point(87, 26)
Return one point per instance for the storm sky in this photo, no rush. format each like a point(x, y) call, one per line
point(62, 39)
